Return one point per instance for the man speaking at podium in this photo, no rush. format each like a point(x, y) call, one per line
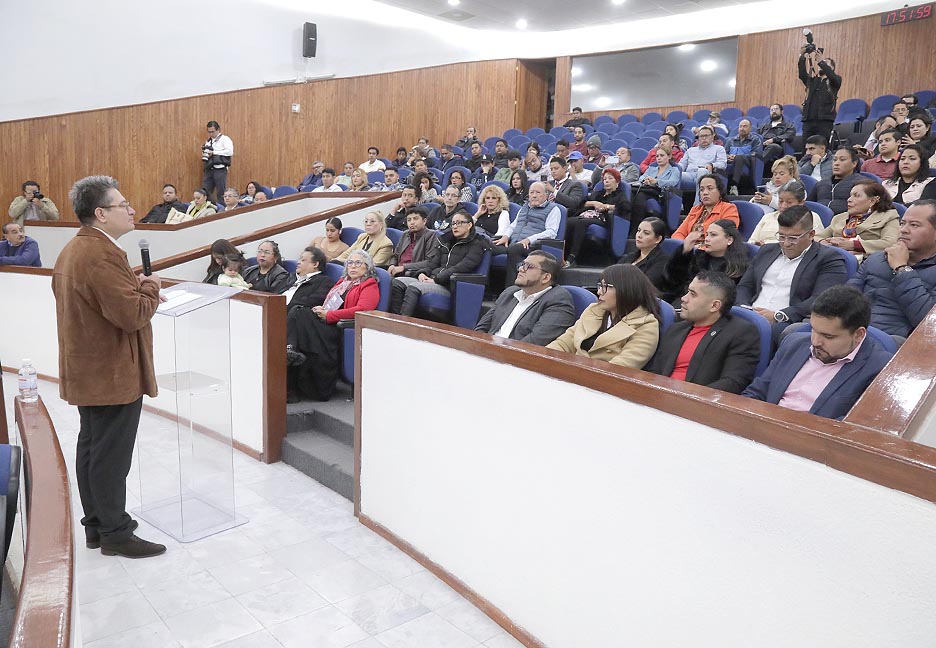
point(105, 341)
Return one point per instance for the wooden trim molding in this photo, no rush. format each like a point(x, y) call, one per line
point(44, 608)
point(4, 429)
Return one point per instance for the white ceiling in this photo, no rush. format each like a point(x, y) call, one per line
point(553, 15)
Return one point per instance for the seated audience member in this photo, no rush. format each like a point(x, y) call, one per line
point(420, 166)
point(346, 171)
point(418, 249)
point(473, 161)
point(600, 209)
point(723, 251)
point(315, 337)
point(471, 137)
point(17, 249)
point(920, 133)
point(825, 372)
point(784, 279)
point(594, 155)
point(741, 151)
point(401, 160)
point(719, 128)
point(260, 197)
point(372, 163)
point(713, 207)
point(422, 150)
point(911, 180)
point(534, 309)
point(913, 104)
point(32, 205)
point(666, 141)
point(870, 224)
point(681, 143)
point(493, 215)
point(900, 282)
point(792, 193)
point(518, 192)
point(428, 194)
point(448, 158)
point(535, 170)
point(884, 164)
point(457, 179)
point(462, 251)
point(308, 183)
point(703, 159)
point(784, 170)
point(622, 327)
point(359, 181)
point(440, 218)
point(872, 144)
point(219, 250)
point(198, 208)
point(170, 200)
point(268, 275)
point(565, 190)
point(621, 160)
point(654, 183)
point(833, 192)
point(484, 174)
point(396, 219)
point(708, 346)
point(579, 142)
point(250, 191)
point(329, 181)
point(817, 161)
point(562, 149)
point(231, 200)
point(577, 119)
point(649, 256)
point(901, 114)
point(514, 163)
point(391, 181)
point(577, 170)
point(775, 132)
point(307, 289)
point(331, 244)
point(231, 276)
point(500, 154)
point(372, 240)
point(537, 220)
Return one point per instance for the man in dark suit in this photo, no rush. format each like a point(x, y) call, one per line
point(566, 190)
point(534, 309)
point(784, 279)
point(825, 372)
point(709, 346)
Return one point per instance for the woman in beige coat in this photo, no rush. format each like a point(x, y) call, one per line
point(374, 241)
point(622, 327)
point(870, 225)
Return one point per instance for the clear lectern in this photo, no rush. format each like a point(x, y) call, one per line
point(186, 467)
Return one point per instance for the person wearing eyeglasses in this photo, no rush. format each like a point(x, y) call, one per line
point(622, 327)
point(105, 342)
point(314, 342)
point(785, 278)
point(268, 275)
point(461, 251)
point(372, 240)
point(198, 208)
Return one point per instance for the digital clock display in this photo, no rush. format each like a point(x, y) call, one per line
point(906, 14)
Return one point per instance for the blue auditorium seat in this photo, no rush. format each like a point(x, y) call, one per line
point(764, 332)
point(285, 190)
point(750, 215)
point(822, 211)
point(881, 106)
point(375, 176)
point(581, 298)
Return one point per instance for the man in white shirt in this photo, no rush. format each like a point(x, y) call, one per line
point(577, 168)
point(328, 181)
point(372, 164)
point(704, 158)
point(216, 158)
point(534, 309)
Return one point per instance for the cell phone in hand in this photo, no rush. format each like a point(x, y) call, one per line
point(762, 189)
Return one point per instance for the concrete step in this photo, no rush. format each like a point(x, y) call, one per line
point(323, 458)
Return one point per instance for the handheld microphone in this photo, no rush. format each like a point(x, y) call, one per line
point(144, 254)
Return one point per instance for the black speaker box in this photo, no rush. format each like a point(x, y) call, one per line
point(309, 40)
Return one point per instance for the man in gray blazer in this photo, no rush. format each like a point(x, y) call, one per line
point(534, 309)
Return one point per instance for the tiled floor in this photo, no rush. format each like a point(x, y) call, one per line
point(301, 573)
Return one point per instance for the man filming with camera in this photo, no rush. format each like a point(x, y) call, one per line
point(216, 158)
point(32, 206)
point(822, 85)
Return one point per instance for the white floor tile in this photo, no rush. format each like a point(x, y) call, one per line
point(212, 625)
point(152, 635)
point(281, 601)
point(307, 557)
point(470, 620)
point(503, 640)
point(278, 531)
point(357, 540)
point(227, 547)
point(428, 631)
point(325, 628)
point(381, 609)
point(262, 639)
point(118, 613)
point(428, 590)
point(343, 580)
point(244, 576)
point(172, 597)
point(103, 582)
point(390, 563)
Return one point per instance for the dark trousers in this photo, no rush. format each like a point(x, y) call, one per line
point(515, 254)
point(770, 154)
point(104, 453)
point(742, 174)
point(817, 127)
point(575, 232)
point(216, 179)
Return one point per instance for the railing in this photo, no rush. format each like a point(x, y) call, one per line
point(45, 608)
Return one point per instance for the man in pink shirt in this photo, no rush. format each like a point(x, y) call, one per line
point(826, 371)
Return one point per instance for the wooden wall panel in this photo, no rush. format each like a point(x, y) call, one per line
point(872, 60)
point(146, 145)
point(532, 89)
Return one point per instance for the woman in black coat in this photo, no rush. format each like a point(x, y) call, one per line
point(600, 209)
point(268, 275)
point(723, 251)
point(649, 257)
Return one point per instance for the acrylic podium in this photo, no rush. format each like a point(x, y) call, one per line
point(186, 467)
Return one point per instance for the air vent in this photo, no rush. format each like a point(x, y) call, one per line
point(457, 16)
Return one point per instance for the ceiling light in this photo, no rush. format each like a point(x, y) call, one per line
point(521, 24)
point(618, 2)
point(708, 65)
point(602, 102)
point(686, 47)
point(576, 72)
point(583, 87)
point(732, 83)
point(454, 3)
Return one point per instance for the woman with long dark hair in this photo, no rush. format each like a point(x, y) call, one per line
point(219, 249)
point(721, 248)
point(518, 192)
point(911, 180)
point(648, 256)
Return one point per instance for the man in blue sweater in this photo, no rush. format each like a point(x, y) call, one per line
point(17, 248)
point(537, 220)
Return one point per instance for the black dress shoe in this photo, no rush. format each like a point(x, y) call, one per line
point(294, 358)
point(95, 543)
point(133, 547)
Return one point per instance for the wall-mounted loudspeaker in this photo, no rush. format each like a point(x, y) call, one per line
point(309, 40)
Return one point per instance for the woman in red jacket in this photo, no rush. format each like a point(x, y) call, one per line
point(315, 360)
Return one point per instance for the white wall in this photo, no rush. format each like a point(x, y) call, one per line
point(65, 57)
point(593, 521)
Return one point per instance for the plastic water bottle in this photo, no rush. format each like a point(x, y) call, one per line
point(28, 382)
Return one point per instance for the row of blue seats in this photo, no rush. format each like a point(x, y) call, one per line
point(858, 109)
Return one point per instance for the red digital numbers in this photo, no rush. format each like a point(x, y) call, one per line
point(906, 15)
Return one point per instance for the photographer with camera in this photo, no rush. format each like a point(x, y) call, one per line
point(822, 86)
point(32, 205)
point(216, 158)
